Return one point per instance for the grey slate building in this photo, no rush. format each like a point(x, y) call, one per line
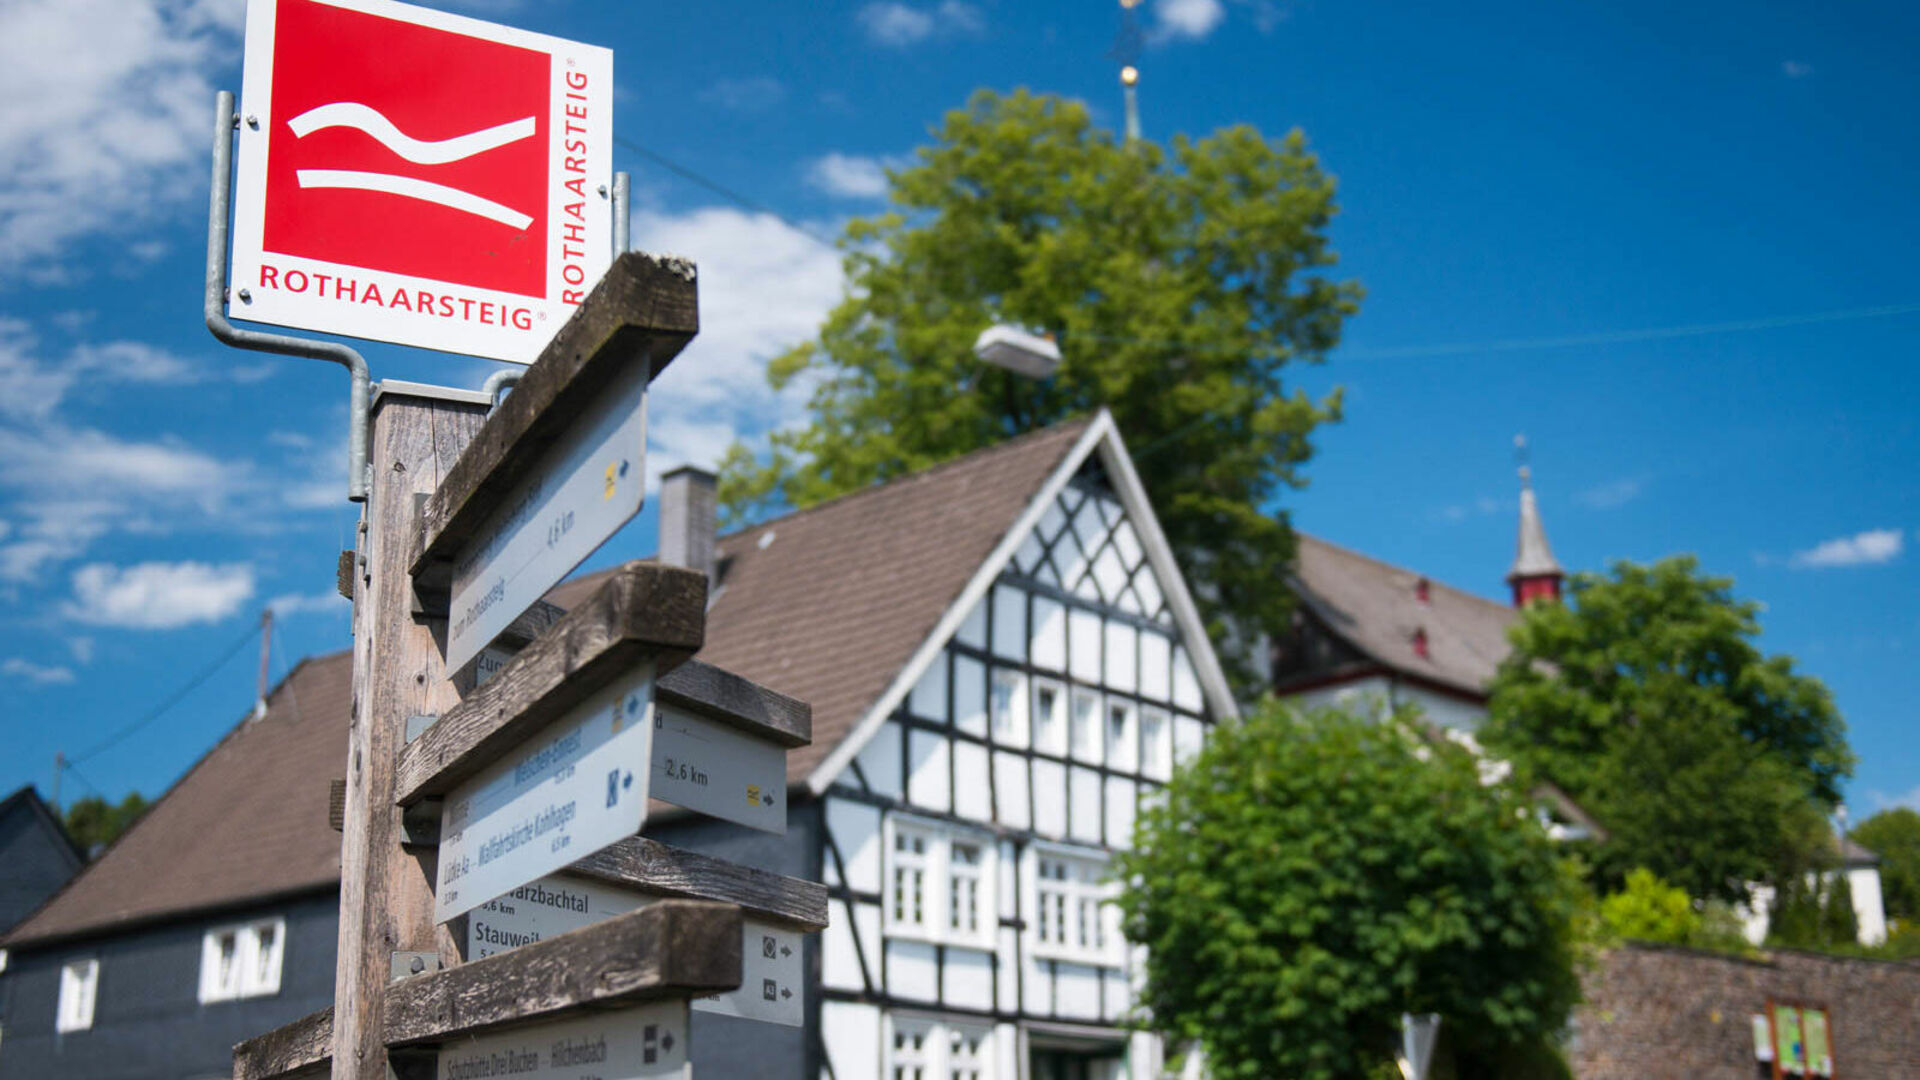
point(1001, 659)
point(36, 853)
point(212, 919)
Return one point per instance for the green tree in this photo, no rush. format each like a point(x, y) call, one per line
point(1646, 699)
point(1178, 283)
point(1894, 835)
point(94, 823)
point(1308, 877)
point(1649, 909)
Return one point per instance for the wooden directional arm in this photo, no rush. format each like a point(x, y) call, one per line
point(700, 688)
point(642, 610)
point(672, 949)
point(645, 308)
point(649, 866)
point(675, 948)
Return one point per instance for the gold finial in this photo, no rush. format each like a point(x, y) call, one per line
point(1129, 75)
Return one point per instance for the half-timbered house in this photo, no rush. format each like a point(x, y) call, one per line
point(1002, 661)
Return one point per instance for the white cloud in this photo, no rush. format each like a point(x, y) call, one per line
point(1795, 69)
point(104, 98)
point(1186, 20)
point(1884, 801)
point(849, 176)
point(745, 95)
point(1867, 548)
point(81, 646)
point(1610, 496)
point(320, 603)
point(898, 25)
point(158, 596)
point(763, 287)
point(30, 672)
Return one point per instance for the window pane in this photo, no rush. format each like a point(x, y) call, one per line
point(1087, 738)
point(1009, 708)
point(1049, 719)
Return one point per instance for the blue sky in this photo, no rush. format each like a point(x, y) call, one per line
point(1670, 243)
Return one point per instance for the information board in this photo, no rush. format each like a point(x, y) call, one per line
point(644, 1043)
point(562, 795)
point(771, 986)
point(419, 177)
point(588, 484)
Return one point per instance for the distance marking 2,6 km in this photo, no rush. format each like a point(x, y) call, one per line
point(562, 795)
point(720, 771)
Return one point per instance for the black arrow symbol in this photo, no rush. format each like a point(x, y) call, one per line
point(628, 782)
point(768, 799)
point(786, 993)
point(784, 951)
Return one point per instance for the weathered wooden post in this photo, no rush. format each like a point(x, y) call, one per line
point(499, 912)
point(493, 897)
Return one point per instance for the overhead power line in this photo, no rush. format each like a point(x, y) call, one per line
point(171, 700)
point(1401, 352)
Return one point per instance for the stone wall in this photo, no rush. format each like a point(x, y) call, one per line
point(1656, 1012)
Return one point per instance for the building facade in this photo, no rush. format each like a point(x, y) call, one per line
point(1002, 661)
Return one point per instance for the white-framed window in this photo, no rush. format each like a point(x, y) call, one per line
point(1070, 907)
point(969, 1052)
point(910, 1051)
point(242, 961)
point(1049, 717)
point(1123, 736)
point(1156, 743)
point(926, 1048)
point(939, 883)
point(79, 984)
point(1009, 707)
point(1088, 740)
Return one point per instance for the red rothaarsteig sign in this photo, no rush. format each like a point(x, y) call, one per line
point(417, 177)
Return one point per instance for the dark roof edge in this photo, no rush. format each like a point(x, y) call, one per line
point(1317, 608)
point(30, 796)
point(967, 458)
point(147, 814)
point(158, 918)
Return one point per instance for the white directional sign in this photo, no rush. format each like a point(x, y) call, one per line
point(644, 1043)
point(578, 786)
point(589, 482)
point(770, 961)
point(704, 765)
point(707, 766)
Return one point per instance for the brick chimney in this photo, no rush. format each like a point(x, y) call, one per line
point(687, 519)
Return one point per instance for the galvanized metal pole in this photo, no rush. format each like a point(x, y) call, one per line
point(622, 219)
point(218, 204)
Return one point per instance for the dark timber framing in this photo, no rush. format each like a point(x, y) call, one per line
point(855, 786)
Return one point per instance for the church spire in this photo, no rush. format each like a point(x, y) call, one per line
point(1536, 574)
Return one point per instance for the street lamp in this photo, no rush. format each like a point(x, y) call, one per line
point(1019, 351)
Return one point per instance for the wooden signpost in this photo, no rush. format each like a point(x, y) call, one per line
point(499, 913)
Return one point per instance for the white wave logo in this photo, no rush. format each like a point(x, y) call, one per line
point(365, 118)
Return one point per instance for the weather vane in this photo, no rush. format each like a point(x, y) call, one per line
point(1126, 50)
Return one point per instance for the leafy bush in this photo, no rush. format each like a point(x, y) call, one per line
point(1308, 877)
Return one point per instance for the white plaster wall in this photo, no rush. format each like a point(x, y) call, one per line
point(852, 1036)
point(1869, 908)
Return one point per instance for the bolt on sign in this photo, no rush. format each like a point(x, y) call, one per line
point(412, 176)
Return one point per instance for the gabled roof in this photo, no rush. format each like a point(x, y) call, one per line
point(248, 821)
point(1376, 608)
point(839, 605)
point(28, 800)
